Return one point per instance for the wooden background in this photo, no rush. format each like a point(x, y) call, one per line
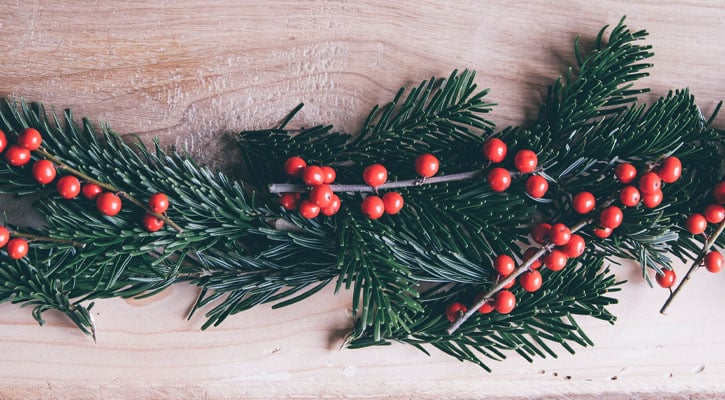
point(190, 72)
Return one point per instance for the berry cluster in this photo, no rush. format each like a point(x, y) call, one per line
point(17, 247)
point(525, 162)
point(697, 224)
point(321, 198)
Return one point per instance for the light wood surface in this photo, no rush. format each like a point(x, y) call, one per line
point(190, 72)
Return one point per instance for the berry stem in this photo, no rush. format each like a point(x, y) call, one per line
point(31, 236)
point(62, 165)
point(694, 267)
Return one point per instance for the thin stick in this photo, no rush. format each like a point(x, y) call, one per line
point(110, 188)
point(695, 265)
point(31, 236)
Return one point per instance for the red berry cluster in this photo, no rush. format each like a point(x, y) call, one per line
point(697, 224)
point(17, 247)
point(321, 199)
point(525, 161)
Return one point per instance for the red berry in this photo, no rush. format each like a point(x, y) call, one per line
point(151, 223)
point(426, 165)
point(611, 217)
point(68, 187)
point(541, 233)
point(44, 172)
point(504, 265)
point(625, 173)
point(666, 279)
point(90, 191)
point(504, 302)
point(536, 186)
point(531, 281)
point(509, 285)
point(583, 202)
point(17, 248)
point(555, 260)
point(321, 195)
point(714, 261)
point(528, 254)
point(375, 175)
point(333, 208)
point(670, 170)
point(696, 224)
point(294, 166)
point(289, 201)
point(650, 183)
point(3, 141)
point(560, 234)
point(308, 209)
point(329, 174)
point(714, 213)
point(494, 150)
point(718, 192)
point(313, 175)
point(629, 196)
point(159, 203)
point(455, 311)
point(373, 207)
point(17, 155)
point(4, 235)
point(652, 200)
point(393, 202)
point(603, 232)
point(525, 161)
point(499, 179)
point(30, 139)
point(487, 307)
point(108, 204)
point(575, 247)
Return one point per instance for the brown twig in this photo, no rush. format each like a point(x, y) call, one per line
point(31, 236)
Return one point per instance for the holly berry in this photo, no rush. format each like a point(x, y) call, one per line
point(494, 150)
point(718, 192)
point(289, 201)
point(531, 281)
point(294, 167)
point(611, 217)
point(652, 200)
point(650, 183)
point(44, 172)
point(373, 207)
point(714, 261)
point(603, 233)
point(509, 285)
point(4, 236)
point(151, 223)
point(393, 202)
point(159, 203)
point(575, 247)
point(17, 248)
point(714, 213)
point(583, 202)
point(499, 179)
point(455, 311)
point(541, 233)
point(308, 209)
point(504, 302)
point(504, 265)
point(555, 260)
point(90, 191)
point(560, 234)
point(333, 208)
point(666, 279)
point(536, 186)
point(629, 196)
point(696, 224)
point(321, 195)
point(525, 161)
point(670, 170)
point(487, 307)
point(30, 139)
point(426, 165)
point(17, 156)
point(529, 254)
point(375, 175)
point(108, 204)
point(329, 174)
point(625, 173)
point(3, 141)
point(68, 187)
point(313, 175)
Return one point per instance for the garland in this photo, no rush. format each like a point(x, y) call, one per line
point(438, 222)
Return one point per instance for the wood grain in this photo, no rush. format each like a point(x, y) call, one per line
point(191, 72)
